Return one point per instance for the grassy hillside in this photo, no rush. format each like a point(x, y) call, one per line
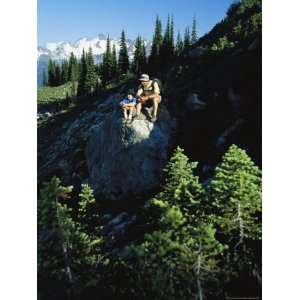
point(49, 94)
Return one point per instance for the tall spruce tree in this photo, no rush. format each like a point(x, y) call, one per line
point(68, 253)
point(139, 59)
point(235, 192)
point(187, 38)
point(167, 256)
point(73, 68)
point(64, 71)
point(194, 31)
point(234, 201)
point(58, 78)
point(91, 74)
point(179, 44)
point(107, 66)
point(82, 75)
point(172, 43)
point(123, 62)
point(51, 73)
point(115, 69)
point(156, 46)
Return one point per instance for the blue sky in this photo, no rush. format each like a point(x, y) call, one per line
point(60, 20)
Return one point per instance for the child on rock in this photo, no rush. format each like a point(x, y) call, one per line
point(128, 104)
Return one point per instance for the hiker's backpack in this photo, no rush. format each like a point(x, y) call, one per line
point(158, 81)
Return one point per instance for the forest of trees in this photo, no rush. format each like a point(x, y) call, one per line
point(193, 240)
point(90, 78)
point(197, 238)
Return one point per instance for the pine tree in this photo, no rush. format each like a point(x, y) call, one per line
point(51, 73)
point(123, 63)
point(64, 71)
point(107, 66)
point(234, 197)
point(167, 49)
point(73, 68)
point(235, 194)
point(187, 39)
point(179, 44)
point(194, 32)
point(58, 78)
point(166, 258)
point(91, 75)
point(172, 44)
point(154, 58)
point(115, 70)
point(82, 75)
point(139, 60)
point(67, 252)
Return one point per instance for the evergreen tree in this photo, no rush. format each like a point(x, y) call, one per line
point(179, 44)
point(235, 192)
point(58, 78)
point(64, 72)
point(194, 32)
point(139, 60)
point(181, 239)
point(51, 73)
point(115, 70)
point(187, 38)
point(67, 253)
point(123, 63)
point(82, 75)
point(156, 46)
point(91, 75)
point(73, 68)
point(107, 67)
point(167, 49)
point(172, 44)
point(234, 199)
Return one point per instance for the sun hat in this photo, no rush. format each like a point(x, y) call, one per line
point(144, 77)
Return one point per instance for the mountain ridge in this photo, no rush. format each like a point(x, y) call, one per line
point(62, 50)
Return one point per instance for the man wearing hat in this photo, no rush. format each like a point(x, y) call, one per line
point(148, 92)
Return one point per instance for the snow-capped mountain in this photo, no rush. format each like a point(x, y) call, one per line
point(62, 50)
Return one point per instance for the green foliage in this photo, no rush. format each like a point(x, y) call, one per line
point(182, 239)
point(154, 58)
point(179, 44)
point(123, 62)
point(67, 253)
point(235, 192)
point(91, 74)
point(187, 38)
point(234, 196)
point(194, 32)
point(221, 44)
point(48, 94)
point(139, 61)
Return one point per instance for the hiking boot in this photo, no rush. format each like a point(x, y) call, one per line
point(153, 119)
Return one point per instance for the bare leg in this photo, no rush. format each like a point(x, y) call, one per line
point(125, 113)
point(130, 113)
point(138, 109)
point(155, 105)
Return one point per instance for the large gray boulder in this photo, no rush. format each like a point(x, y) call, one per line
point(127, 159)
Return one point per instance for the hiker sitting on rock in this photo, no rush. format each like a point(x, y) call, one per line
point(148, 92)
point(128, 104)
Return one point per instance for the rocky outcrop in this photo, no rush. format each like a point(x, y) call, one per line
point(61, 143)
point(96, 147)
point(127, 159)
